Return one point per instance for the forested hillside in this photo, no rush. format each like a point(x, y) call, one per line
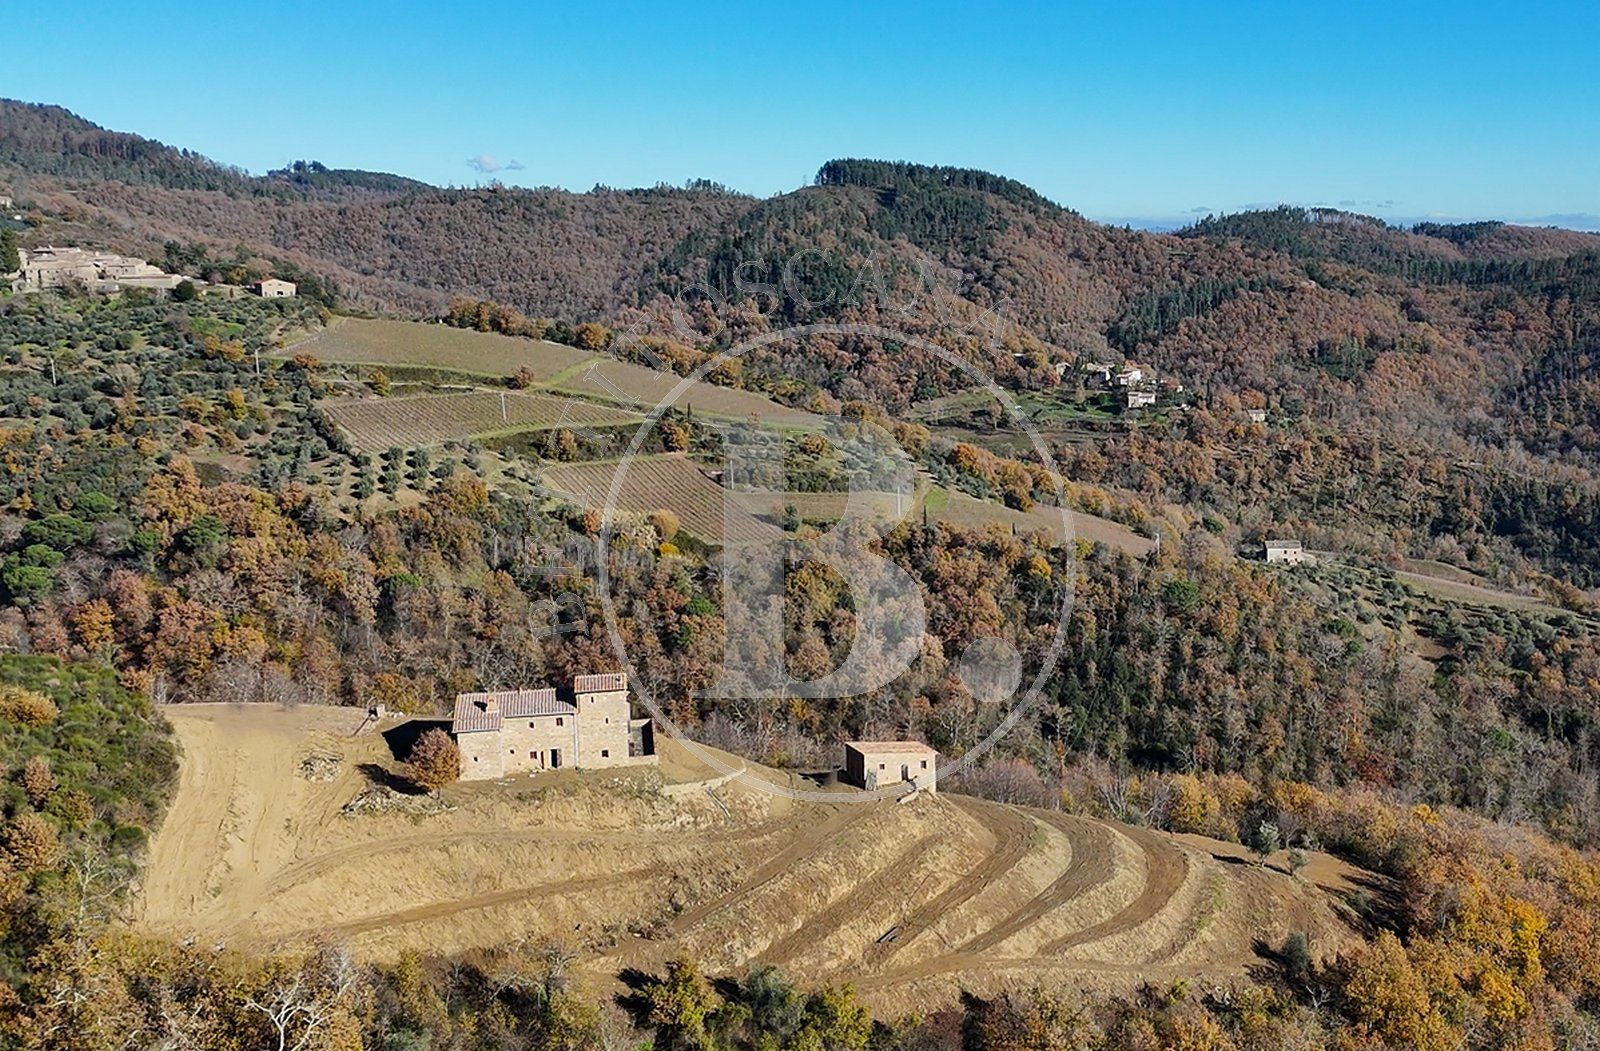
point(185, 521)
point(196, 527)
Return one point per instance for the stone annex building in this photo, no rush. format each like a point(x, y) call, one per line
point(875, 765)
point(504, 732)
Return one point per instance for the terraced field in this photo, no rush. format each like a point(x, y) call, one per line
point(910, 902)
point(380, 341)
point(651, 483)
point(554, 366)
point(957, 508)
point(378, 423)
point(632, 384)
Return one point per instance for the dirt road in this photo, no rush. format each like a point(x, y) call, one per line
point(907, 901)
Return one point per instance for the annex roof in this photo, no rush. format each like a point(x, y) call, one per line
point(603, 683)
point(884, 747)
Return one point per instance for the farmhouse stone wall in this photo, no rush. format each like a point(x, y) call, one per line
point(508, 732)
point(878, 765)
point(603, 720)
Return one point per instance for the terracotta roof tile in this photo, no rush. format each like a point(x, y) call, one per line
point(605, 683)
point(488, 711)
point(876, 747)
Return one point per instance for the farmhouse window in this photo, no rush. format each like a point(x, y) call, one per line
point(560, 721)
point(605, 753)
point(882, 767)
point(924, 764)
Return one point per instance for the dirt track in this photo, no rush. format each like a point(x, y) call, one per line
point(912, 900)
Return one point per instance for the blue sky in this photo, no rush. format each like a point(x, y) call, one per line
point(1121, 110)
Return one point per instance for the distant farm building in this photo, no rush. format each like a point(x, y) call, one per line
point(1289, 552)
point(878, 764)
point(505, 732)
point(1256, 415)
point(1098, 374)
point(273, 288)
point(1140, 399)
point(95, 270)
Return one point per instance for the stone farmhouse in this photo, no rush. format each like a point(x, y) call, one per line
point(274, 288)
point(105, 272)
point(505, 732)
point(1289, 552)
point(878, 764)
point(53, 267)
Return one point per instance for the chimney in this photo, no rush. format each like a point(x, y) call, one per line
point(491, 704)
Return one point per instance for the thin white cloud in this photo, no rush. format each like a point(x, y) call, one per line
point(488, 164)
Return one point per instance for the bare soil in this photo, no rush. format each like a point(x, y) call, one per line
point(909, 901)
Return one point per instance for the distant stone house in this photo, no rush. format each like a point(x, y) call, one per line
point(6, 201)
point(96, 270)
point(1139, 399)
point(273, 288)
point(878, 764)
point(504, 732)
point(1129, 375)
point(1289, 552)
point(1098, 374)
point(1256, 415)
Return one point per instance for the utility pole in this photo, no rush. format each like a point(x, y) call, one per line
point(503, 417)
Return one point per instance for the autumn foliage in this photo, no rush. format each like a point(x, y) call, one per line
point(435, 761)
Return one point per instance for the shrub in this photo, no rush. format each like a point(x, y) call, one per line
point(1297, 954)
point(62, 532)
point(73, 808)
point(37, 779)
point(666, 524)
point(591, 335)
point(26, 707)
point(32, 841)
point(435, 761)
